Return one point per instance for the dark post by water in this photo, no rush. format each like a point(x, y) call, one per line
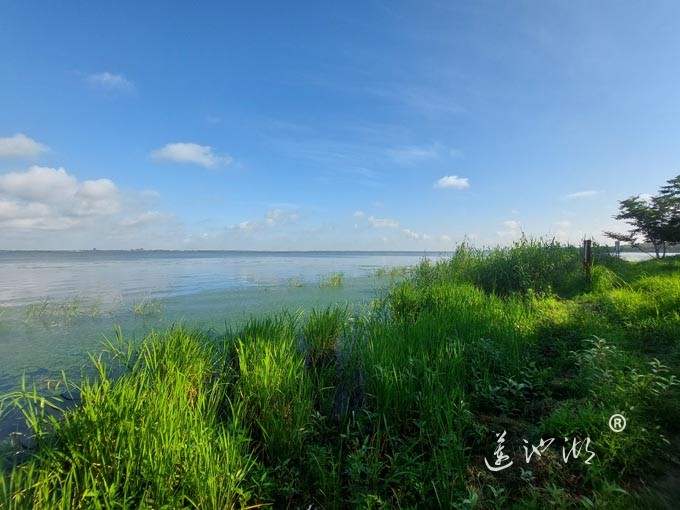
point(587, 257)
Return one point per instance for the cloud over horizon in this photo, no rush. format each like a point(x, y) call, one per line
point(417, 236)
point(52, 199)
point(383, 222)
point(510, 229)
point(273, 218)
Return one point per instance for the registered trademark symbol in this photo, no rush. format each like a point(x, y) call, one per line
point(617, 422)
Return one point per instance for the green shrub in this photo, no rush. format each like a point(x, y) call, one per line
point(163, 434)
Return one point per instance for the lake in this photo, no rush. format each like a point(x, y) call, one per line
point(57, 306)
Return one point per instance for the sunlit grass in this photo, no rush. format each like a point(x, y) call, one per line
point(163, 434)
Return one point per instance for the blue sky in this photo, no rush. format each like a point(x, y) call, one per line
point(330, 125)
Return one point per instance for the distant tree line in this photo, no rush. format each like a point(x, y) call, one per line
point(654, 220)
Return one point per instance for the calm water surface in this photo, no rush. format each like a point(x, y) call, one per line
point(55, 307)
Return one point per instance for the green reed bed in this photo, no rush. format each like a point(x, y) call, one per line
point(164, 434)
point(332, 280)
point(392, 272)
point(54, 313)
point(396, 406)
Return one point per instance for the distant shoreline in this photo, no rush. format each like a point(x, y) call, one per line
point(611, 249)
point(257, 252)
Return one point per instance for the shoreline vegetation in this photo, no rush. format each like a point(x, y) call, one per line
point(397, 406)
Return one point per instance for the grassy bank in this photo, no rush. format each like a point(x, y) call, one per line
point(396, 407)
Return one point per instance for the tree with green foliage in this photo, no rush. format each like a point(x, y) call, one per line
point(654, 219)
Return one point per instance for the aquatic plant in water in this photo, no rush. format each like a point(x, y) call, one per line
point(332, 280)
point(148, 307)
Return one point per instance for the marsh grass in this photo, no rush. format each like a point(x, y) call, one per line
point(392, 272)
point(50, 313)
point(394, 406)
point(276, 392)
point(528, 266)
point(147, 307)
point(96, 310)
point(164, 434)
point(321, 333)
point(332, 280)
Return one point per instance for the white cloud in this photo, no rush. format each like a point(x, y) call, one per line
point(564, 225)
point(97, 197)
point(182, 152)
point(51, 199)
point(359, 214)
point(110, 81)
point(582, 194)
point(646, 197)
point(39, 184)
point(510, 229)
point(280, 217)
point(246, 226)
point(383, 222)
point(273, 218)
point(20, 146)
point(452, 181)
point(415, 235)
point(14, 210)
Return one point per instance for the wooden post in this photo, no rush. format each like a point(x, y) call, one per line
point(587, 259)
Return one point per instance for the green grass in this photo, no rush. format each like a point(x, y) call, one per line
point(392, 272)
point(54, 312)
point(395, 406)
point(332, 280)
point(164, 434)
point(147, 307)
point(276, 392)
